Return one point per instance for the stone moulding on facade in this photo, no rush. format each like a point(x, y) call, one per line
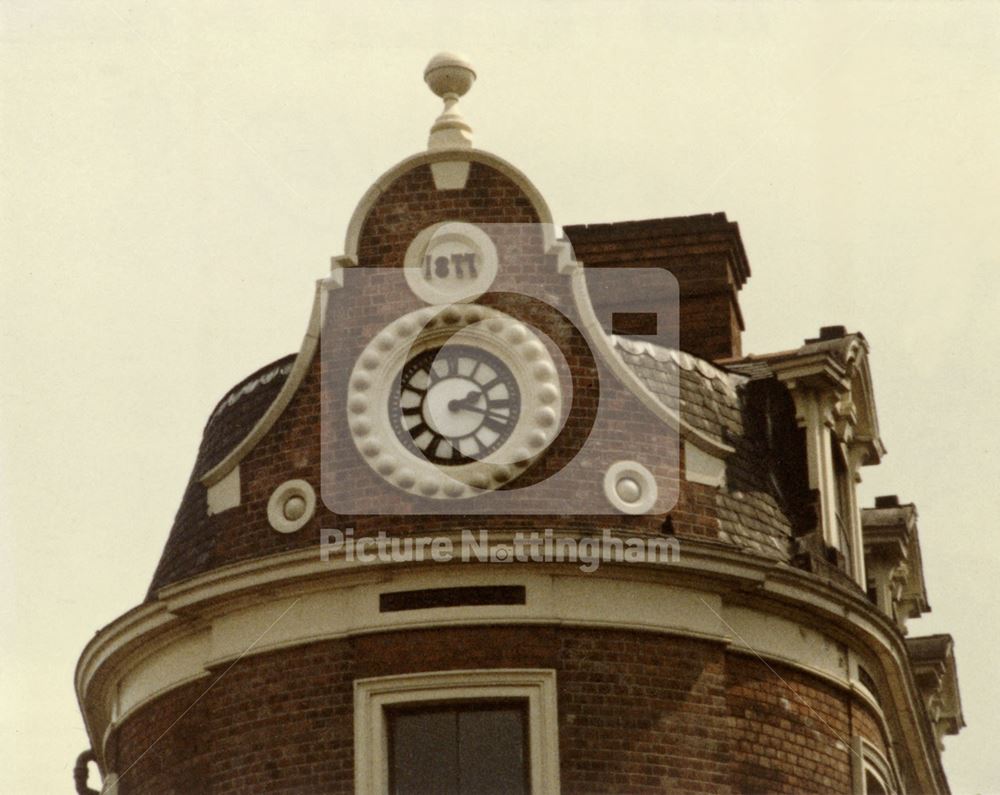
point(185, 631)
point(565, 263)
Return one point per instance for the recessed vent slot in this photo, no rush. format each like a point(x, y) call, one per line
point(451, 597)
point(629, 324)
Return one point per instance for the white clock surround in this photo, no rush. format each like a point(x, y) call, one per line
point(375, 375)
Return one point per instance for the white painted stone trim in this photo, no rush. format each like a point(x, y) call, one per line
point(298, 372)
point(728, 381)
point(867, 759)
point(300, 366)
point(372, 696)
point(224, 494)
point(698, 596)
point(277, 506)
point(632, 472)
point(451, 174)
point(814, 413)
point(247, 388)
point(700, 467)
point(457, 155)
point(450, 292)
point(566, 265)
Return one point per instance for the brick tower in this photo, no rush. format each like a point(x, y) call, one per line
point(520, 516)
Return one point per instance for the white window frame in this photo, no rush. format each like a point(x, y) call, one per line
point(866, 758)
point(845, 498)
point(373, 696)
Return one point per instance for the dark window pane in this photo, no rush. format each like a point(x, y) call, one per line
point(491, 751)
point(423, 756)
point(459, 749)
point(873, 786)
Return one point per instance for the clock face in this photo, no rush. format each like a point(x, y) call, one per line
point(454, 404)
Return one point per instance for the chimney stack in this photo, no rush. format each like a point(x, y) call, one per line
point(703, 252)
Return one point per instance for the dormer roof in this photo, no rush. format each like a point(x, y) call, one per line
point(934, 667)
point(836, 363)
point(890, 532)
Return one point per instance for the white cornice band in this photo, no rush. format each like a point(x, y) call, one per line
point(752, 606)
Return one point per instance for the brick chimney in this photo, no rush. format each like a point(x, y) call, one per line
point(703, 252)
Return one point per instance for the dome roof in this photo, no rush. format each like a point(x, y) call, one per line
point(192, 537)
point(751, 510)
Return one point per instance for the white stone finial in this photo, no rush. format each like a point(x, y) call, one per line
point(450, 76)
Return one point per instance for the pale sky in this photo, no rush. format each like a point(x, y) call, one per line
point(176, 175)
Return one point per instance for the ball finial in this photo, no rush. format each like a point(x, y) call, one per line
point(450, 76)
point(449, 73)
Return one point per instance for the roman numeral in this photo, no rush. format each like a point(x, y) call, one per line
point(418, 430)
point(493, 423)
point(432, 447)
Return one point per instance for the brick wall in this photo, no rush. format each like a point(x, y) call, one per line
point(790, 732)
point(293, 448)
point(703, 252)
point(638, 713)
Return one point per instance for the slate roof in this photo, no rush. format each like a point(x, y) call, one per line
point(751, 514)
point(191, 541)
point(234, 415)
point(751, 368)
point(756, 367)
point(750, 511)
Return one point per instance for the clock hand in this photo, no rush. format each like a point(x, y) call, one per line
point(489, 413)
point(466, 402)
